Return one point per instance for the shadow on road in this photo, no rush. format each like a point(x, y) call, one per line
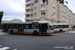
point(31, 35)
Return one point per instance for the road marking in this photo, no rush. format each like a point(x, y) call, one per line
point(4, 48)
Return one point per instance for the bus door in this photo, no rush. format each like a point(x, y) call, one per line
point(20, 28)
point(5, 28)
point(42, 28)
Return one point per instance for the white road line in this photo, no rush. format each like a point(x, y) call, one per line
point(4, 48)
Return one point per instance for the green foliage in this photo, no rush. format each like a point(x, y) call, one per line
point(63, 1)
point(1, 15)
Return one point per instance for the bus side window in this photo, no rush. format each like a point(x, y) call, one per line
point(35, 26)
point(26, 26)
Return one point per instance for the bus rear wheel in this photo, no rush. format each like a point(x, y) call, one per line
point(35, 33)
point(11, 32)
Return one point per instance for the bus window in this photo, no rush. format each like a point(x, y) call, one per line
point(5, 26)
point(66, 26)
point(26, 26)
point(13, 26)
point(35, 26)
point(55, 26)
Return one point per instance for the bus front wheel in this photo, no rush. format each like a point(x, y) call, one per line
point(35, 33)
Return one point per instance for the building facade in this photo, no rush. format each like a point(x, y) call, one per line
point(16, 20)
point(48, 10)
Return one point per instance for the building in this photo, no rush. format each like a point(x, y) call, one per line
point(48, 10)
point(16, 20)
point(5, 21)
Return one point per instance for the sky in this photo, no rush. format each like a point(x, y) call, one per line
point(15, 9)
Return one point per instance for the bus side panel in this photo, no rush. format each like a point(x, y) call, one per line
point(30, 31)
point(14, 30)
point(50, 31)
point(65, 29)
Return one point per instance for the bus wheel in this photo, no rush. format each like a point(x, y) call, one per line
point(35, 33)
point(11, 32)
point(60, 30)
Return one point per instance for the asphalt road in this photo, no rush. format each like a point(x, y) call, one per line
point(56, 41)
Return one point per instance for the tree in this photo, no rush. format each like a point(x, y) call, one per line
point(63, 1)
point(1, 15)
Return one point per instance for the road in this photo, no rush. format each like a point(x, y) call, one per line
point(56, 41)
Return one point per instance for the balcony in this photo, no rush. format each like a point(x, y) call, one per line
point(27, 12)
point(42, 3)
point(42, 9)
point(29, 2)
point(28, 7)
point(42, 15)
point(27, 18)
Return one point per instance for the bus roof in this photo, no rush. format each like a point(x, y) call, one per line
point(60, 23)
point(27, 22)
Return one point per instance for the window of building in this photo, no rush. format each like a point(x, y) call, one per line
point(42, 19)
point(42, 13)
point(53, 9)
point(31, 15)
point(27, 16)
point(31, 20)
point(34, 7)
point(34, 19)
point(43, 7)
point(31, 4)
point(53, 15)
point(31, 9)
point(53, 4)
point(36, 1)
point(53, 21)
point(34, 13)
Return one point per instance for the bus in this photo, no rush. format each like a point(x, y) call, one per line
point(32, 28)
point(61, 27)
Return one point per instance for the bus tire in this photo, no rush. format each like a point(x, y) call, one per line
point(35, 33)
point(61, 30)
point(11, 32)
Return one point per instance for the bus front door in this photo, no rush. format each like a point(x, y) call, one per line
point(42, 28)
point(20, 29)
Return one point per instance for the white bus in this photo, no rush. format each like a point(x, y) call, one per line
point(34, 28)
point(61, 27)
